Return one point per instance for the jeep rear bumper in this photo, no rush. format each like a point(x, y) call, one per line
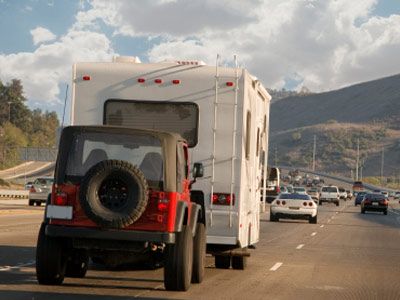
point(110, 234)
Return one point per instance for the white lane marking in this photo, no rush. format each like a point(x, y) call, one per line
point(313, 234)
point(300, 246)
point(276, 266)
point(20, 265)
point(329, 221)
point(322, 226)
point(336, 212)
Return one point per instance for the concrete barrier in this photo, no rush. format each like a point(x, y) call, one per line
point(14, 194)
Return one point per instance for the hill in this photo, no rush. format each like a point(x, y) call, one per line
point(368, 112)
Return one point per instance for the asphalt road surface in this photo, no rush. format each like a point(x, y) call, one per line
point(346, 255)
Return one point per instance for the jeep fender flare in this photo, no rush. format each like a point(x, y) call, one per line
point(182, 213)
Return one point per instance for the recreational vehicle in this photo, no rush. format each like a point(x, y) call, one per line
point(222, 112)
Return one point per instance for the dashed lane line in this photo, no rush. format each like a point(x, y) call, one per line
point(322, 226)
point(313, 234)
point(9, 268)
point(276, 266)
point(300, 246)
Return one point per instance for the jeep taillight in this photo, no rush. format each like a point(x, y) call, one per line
point(161, 199)
point(223, 199)
point(278, 189)
point(60, 199)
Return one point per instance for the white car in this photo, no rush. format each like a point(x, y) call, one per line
point(293, 206)
point(299, 190)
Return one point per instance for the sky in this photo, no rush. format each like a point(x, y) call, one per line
point(320, 44)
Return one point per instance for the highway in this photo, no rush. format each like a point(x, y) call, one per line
point(346, 255)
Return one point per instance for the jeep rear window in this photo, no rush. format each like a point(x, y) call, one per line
point(90, 148)
point(179, 117)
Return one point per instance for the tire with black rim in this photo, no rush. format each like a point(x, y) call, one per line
point(199, 254)
point(113, 194)
point(77, 264)
point(222, 262)
point(51, 261)
point(239, 262)
point(179, 262)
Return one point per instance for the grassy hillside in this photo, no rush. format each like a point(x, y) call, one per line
point(369, 112)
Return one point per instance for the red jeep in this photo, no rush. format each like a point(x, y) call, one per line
point(122, 195)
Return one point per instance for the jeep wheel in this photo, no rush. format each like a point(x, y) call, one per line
point(78, 264)
point(31, 202)
point(179, 262)
point(199, 254)
point(222, 262)
point(114, 194)
point(50, 259)
point(239, 262)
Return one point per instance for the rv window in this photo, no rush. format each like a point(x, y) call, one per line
point(248, 133)
point(180, 117)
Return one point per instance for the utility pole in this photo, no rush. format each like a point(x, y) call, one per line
point(314, 150)
point(382, 161)
point(358, 157)
point(276, 156)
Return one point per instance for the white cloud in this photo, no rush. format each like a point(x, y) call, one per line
point(40, 35)
point(43, 70)
point(321, 44)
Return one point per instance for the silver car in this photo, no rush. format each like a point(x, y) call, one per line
point(40, 190)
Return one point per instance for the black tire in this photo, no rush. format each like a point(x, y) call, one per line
point(98, 189)
point(363, 211)
point(273, 218)
point(320, 203)
point(31, 202)
point(179, 262)
point(239, 262)
point(337, 203)
point(50, 259)
point(199, 254)
point(385, 212)
point(38, 203)
point(222, 262)
point(312, 220)
point(78, 264)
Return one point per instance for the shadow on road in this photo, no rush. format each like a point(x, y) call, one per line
point(4, 294)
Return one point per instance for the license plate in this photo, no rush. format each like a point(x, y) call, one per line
point(375, 203)
point(59, 212)
point(293, 207)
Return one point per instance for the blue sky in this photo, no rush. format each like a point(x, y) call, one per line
point(321, 44)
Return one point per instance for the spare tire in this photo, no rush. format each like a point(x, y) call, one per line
point(113, 193)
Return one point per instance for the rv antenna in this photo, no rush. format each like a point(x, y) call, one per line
point(65, 104)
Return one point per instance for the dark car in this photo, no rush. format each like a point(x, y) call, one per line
point(359, 198)
point(374, 202)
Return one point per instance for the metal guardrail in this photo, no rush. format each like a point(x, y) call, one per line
point(338, 178)
point(14, 194)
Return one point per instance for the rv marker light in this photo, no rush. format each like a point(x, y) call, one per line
point(159, 81)
point(176, 81)
point(86, 77)
point(229, 83)
point(141, 80)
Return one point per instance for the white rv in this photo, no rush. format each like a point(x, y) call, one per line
point(222, 112)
